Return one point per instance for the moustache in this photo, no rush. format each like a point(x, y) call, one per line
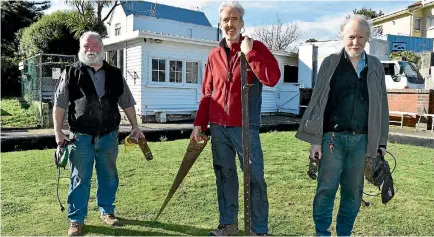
point(91, 54)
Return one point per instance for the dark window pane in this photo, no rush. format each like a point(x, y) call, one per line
point(172, 77)
point(154, 64)
point(154, 76)
point(161, 76)
point(162, 64)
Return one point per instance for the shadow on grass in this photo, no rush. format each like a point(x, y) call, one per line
point(165, 229)
point(5, 113)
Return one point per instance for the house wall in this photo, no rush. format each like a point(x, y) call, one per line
point(183, 98)
point(429, 13)
point(418, 14)
point(399, 25)
point(133, 71)
point(178, 97)
point(153, 24)
point(117, 17)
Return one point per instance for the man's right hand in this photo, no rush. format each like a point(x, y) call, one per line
point(196, 134)
point(315, 149)
point(60, 137)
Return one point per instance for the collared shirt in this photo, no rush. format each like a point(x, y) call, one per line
point(126, 100)
point(348, 102)
point(362, 63)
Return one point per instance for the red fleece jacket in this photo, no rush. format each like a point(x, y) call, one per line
point(221, 88)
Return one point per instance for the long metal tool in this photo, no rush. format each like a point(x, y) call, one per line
point(246, 143)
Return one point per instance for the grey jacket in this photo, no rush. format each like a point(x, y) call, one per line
point(311, 126)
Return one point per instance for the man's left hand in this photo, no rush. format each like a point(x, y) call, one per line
point(136, 132)
point(246, 45)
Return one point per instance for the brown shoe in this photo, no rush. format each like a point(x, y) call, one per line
point(75, 229)
point(225, 230)
point(109, 219)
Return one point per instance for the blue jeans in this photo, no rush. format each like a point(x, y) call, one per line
point(226, 142)
point(104, 152)
point(343, 165)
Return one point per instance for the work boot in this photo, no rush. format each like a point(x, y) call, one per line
point(109, 219)
point(75, 229)
point(225, 230)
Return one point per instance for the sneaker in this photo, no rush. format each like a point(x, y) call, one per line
point(225, 230)
point(75, 229)
point(109, 219)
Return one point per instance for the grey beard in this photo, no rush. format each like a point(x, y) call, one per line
point(98, 60)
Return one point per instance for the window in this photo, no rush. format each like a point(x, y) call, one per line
point(431, 22)
point(117, 29)
point(158, 70)
point(189, 33)
point(290, 74)
point(192, 72)
point(417, 23)
point(175, 73)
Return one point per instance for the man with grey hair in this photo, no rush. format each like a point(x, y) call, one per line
point(346, 121)
point(220, 105)
point(92, 89)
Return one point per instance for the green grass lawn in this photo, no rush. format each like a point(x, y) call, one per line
point(29, 205)
point(13, 116)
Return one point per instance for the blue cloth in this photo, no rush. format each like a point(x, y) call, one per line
point(226, 143)
point(343, 165)
point(81, 161)
point(362, 63)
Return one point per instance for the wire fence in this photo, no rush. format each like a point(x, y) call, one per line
point(39, 80)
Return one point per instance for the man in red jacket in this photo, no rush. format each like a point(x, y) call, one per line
point(220, 105)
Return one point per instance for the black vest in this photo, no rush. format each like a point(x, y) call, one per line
point(87, 113)
point(348, 102)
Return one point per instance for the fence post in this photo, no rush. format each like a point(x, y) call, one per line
point(40, 90)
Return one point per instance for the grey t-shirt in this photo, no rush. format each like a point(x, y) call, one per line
point(61, 98)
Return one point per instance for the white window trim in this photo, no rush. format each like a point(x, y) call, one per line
point(166, 83)
point(151, 70)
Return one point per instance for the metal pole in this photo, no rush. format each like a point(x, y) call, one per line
point(246, 143)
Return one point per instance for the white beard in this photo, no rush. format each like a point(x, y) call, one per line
point(96, 60)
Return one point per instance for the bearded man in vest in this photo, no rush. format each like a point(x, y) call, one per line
point(91, 90)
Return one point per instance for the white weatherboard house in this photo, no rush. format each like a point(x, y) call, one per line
point(162, 51)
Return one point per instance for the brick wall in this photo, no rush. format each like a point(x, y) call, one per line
point(410, 100)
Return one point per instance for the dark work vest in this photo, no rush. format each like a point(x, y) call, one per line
point(348, 102)
point(87, 113)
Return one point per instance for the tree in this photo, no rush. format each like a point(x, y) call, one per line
point(369, 13)
point(279, 36)
point(406, 56)
point(84, 6)
point(90, 15)
point(51, 34)
point(311, 40)
point(15, 15)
